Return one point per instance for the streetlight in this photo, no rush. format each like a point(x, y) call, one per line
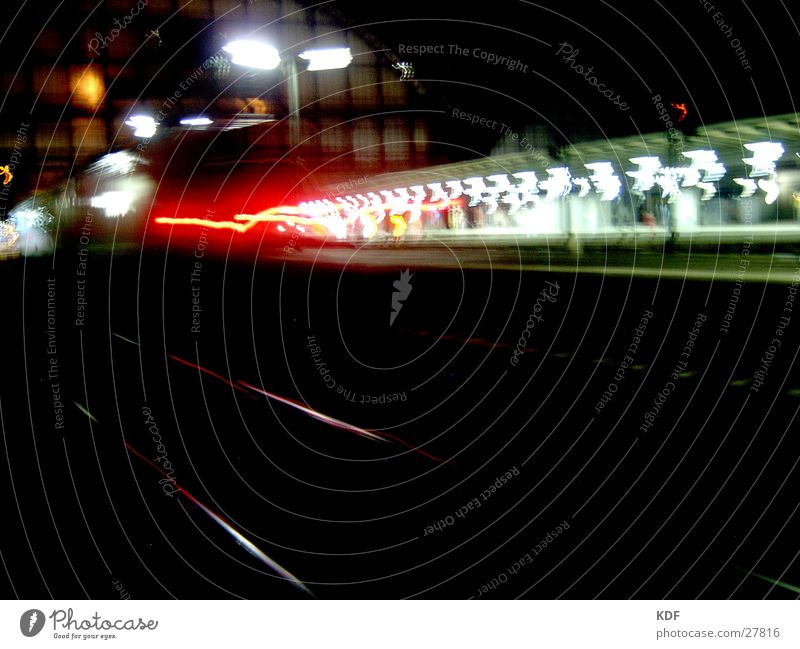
point(259, 55)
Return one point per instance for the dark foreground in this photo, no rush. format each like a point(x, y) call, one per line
point(498, 479)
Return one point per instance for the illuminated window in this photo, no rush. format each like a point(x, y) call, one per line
point(87, 86)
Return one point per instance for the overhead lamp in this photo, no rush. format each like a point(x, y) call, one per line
point(253, 54)
point(143, 125)
point(333, 58)
point(200, 120)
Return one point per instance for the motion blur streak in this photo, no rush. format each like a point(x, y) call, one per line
point(206, 223)
point(317, 415)
point(85, 411)
point(416, 449)
point(341, 424)
point(240, 539)
point(210, 373)
point(776, 582)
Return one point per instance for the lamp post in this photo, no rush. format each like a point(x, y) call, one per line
point(260, 56)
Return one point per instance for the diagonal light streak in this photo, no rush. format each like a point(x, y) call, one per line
point(775, 582)
point(238, 536)
point(338, 423)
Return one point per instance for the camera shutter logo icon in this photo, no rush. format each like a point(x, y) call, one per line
point(31, 622)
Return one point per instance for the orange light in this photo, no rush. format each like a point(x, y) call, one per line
point(206, 223)
point(88, 88)
point(241, 223)
point(681, 107)
point(7, 174)
point(400, 225)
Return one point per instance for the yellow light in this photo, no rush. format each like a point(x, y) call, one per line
point(400, 225)
point(88, 88)
point(7, 174)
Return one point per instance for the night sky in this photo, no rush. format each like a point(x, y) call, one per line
point(685, 52)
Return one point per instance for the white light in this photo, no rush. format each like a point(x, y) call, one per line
point(475, 190)
point(691, 176)
point(437, 192)
point(253, 54)
point(502, 185)
point(144, 125)
point(114, 203)
point(701, 157)
point(327, 59)
point(402, 192)
point(702, 160)
point(25, 220)
point(558, 184)
point(455, 187)
point(771, 188)
point(605, 180)
point(651, 163)
point(667, 179)
point(368, 227)
point(528, 188)
point(419, 193)
point(196, 121)
point(708, 190)
point(765, 155)
point(714, 172)
point(748, 186)
point(120, 162)
point(645, 176)
point(584, 184)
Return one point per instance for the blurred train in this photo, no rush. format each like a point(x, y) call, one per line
point(243, 191)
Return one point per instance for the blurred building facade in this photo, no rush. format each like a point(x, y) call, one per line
point(72, 78)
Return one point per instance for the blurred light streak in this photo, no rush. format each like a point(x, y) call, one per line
point(333, 58)
point(85, 411)
point(121, 162)
point(238, 536)
point(771, 188)
point(196, 121)
point(210, 373)
point(342, 424)
point(338, 423)
point(765, 155)
point(774, 582)
point(127, 340)
point(253, 54)
point(143, 125)
point(113, 203)
point(416, 449)
point(206, 223)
